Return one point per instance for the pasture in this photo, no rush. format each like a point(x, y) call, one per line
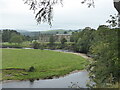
point(46, 63)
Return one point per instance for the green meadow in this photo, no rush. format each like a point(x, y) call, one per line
point(47, 64)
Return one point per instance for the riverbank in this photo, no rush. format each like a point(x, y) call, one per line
point(48, 64)
point(80, 78)
point(70, 73)
point(79, 54)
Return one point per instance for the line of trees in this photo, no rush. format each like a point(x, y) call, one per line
point(12, 36)
point(103, 45)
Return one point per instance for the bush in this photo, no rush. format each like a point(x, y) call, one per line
point(31, 69)
point(36, 45)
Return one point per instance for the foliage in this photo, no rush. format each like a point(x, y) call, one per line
point(63, 45)
point(52, 40)
point(27, 38)
point(89, 2)
point(46, 63)
point(106, 61)
point(65, 32)
point(36, 45)
point(8, 34)
point(44, 8)
point(103, 45)
point(113, 21)
point(16, 39)
point(63, 40)
point(83, 40)
point(31, 69)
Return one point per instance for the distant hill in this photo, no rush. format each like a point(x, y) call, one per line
point(36, 33)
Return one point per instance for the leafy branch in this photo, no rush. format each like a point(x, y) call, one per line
point(45, 9)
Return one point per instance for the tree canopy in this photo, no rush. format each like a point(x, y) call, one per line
point(102, 45)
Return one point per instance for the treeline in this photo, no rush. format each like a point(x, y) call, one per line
point(12, 36)
point(103, 45)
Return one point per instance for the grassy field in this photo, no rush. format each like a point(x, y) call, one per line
point(46, 63)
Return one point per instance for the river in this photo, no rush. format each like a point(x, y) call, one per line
point(80, 79)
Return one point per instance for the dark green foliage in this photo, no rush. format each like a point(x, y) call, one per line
point(63, 45)
point(65, 32)
point(7, 34)
point(31, 69)
point(103, 45)
point(106, 64)
point(28, 38)
point(36, 45)
point(13, 36)
point(83, 40)
point(63, 40)
point(71, 39)
point(51, 40)
point(16, 39)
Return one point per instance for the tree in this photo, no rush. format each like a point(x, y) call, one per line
point(28, 38)
point(63, 40)
point(36, 45)
point(16, 39)
point(65, 32)
point(57, 32)
point(103, 45)
point(104, 71)
point(7, 34)
point(52, 42)
point(84, 40)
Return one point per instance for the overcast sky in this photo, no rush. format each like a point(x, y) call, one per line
point(14, 14)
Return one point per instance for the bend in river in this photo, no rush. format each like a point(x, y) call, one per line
point(63, 82)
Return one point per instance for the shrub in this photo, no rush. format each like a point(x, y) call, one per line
point(36, 45)
point(31, 69)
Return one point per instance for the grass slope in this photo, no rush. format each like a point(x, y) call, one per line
point(47, 63)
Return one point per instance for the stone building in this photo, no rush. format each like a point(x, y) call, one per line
point(44, 37)
point(57, 37)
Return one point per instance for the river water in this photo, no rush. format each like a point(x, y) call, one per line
point(80, 79)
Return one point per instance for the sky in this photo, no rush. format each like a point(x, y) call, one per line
point(14, 14)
